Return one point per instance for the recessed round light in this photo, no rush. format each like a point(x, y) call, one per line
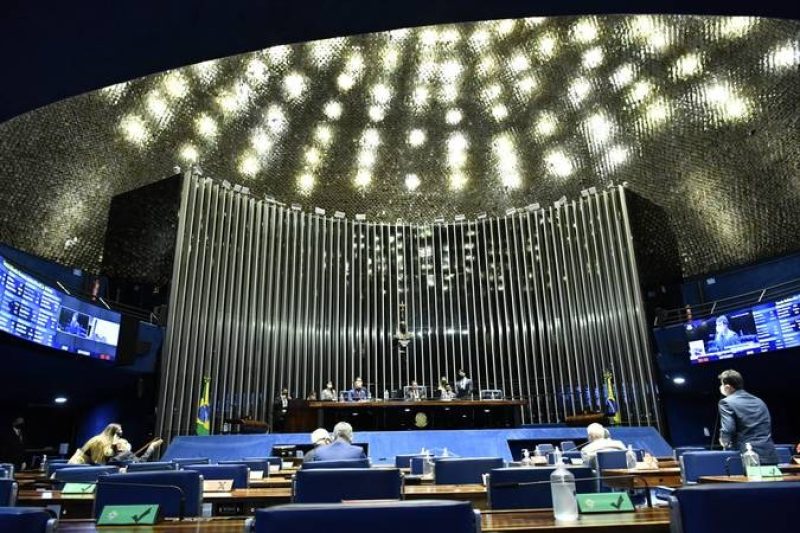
point(60, 399)
point(679, 380)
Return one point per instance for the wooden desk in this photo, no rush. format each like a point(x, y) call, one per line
point(204, 525)
point(668, 477)
point(521, 521)
point(473, 493)
point(400, 415)
point(743, 479)
point(270, 482)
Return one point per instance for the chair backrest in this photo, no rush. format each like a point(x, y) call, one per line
point(254, 466)
point(491, 394)
point(544, 448)
point(8, 492)
point(680, 450)
point(393, 517)
point(186, 461)
point(785, 452)
point(5, 473)
point(710, 463)
point(462, 470)
point(611, 459)
point(734, 507)
point(273, 461)
point(240, 474)
point(52, 468)
point(152, 467)
point(404, 460)
point(171, 490)
point(340, 484)
point(350, 463)
point(505, 492)
point(86, 474)
point(8, 468)
point(27, 519)
point(567, 445)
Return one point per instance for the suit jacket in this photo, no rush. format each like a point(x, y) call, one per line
point(338, 450)
point(12, 448)
point(745, 418)
point(354, 395)
point(463, 390)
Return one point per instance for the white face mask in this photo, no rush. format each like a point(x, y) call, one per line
point(723, 390)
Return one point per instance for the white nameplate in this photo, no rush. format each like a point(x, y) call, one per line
point(217, 485)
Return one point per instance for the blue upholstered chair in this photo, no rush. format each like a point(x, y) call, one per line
point(52, 468)
point(273, 461)
point(8, 492)
point(404, 460)
point(785, 452)
point(27, 519)
point(85, 474)
point(353, 463)
point(179, 493)
point(734, 507)
point(567, 445)
point(680, 450)
point(240, 474)
point(155, 466)
point(9, 470)
point(186, 461)
point(611, 459)
point(254, 466)
point(573, 454)
point(505, 492)
point(389, 517)
point(710, 463)
point(339, 484)
point(462, 470)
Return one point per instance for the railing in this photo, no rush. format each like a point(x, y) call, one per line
point(682, 315)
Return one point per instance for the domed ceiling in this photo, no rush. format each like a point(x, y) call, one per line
point(699, 115)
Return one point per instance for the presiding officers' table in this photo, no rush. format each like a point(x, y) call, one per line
point(399, 415)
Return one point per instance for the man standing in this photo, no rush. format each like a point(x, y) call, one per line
point(12, 445)
point(744, 418)
point(341, 449)
point(463, 385)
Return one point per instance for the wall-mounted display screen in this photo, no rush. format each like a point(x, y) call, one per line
point(34, 311)
point(764, 327)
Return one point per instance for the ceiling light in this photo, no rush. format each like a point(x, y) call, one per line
point(412, 182)
point(60, 400)
point(416, 137)
point(679, 380)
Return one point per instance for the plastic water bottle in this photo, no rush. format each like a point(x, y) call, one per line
point(630, 458)
point(526, 457)
point(445, 453)
point(427, 466)
point(751, 463)
point(43, 466)
point(386, 394)
point(562, 488)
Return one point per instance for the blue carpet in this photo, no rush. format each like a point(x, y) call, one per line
point(384, 445)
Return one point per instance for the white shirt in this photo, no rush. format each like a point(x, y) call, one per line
point(589, 452)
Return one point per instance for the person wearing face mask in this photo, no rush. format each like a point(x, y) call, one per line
point(744, 419)
point(12, 446)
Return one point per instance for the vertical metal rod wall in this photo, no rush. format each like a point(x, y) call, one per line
point(537, 303)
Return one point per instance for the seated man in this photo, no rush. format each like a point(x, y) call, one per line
point(341, 449)
point(599, 440)
point(725, 337)
point(319, 437)
point(123, 453)
point(358, 392)
point(413, 391)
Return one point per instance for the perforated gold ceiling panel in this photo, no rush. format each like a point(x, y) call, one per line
point(698, 114)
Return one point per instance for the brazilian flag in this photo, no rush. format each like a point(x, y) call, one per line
point(204, 410)
point(612, 406)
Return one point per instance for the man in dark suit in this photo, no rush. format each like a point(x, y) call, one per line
point(341, 449)
point(12, 443)
point(744, 418)
point(463, 385)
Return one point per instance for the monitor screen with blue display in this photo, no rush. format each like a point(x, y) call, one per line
point(764, 327)
point(34, 311)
